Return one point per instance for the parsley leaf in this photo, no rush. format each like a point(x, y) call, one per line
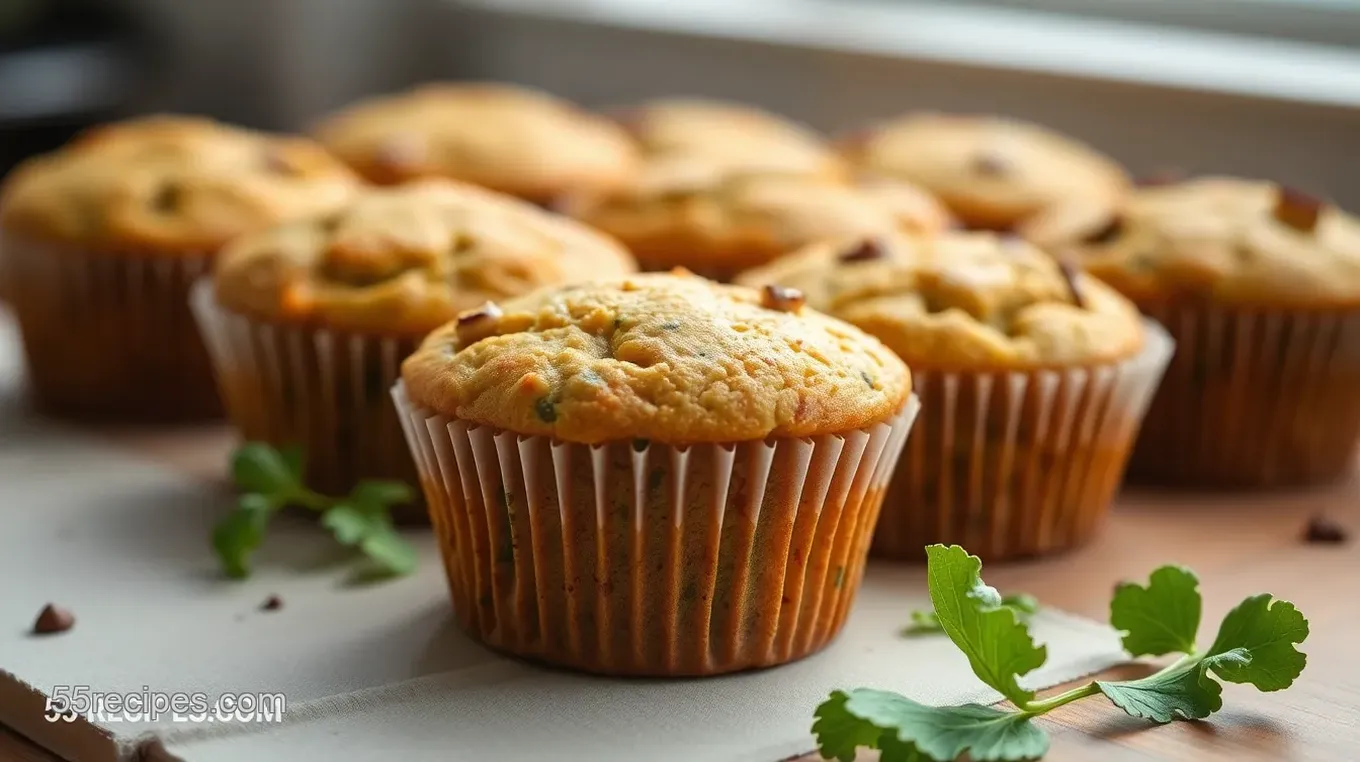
point(349, 524)
point(1267, 630)
point(998, 646)
point(257, 467)
point(386, 548)
point(1183, 690)
point(271, 479)
point(1255, 645)
point(1161, 618)
point(940, 733)
point(241, 532)
point(925, 622)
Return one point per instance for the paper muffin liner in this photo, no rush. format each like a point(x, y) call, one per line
point(325, 391)
point(638, 558)
point(1017, 464)
point(108, 334)
point(1255, 398)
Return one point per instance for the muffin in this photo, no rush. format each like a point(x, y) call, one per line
point(1033, 379)
point(720, 225)
point(506, 138)
point(100, 240)
point(1260, 286)
point(995, 174)
point(656, 475)
point(727, 137)
point(308, 322)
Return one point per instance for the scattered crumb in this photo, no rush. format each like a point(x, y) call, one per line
point(1322, 530)
point(272, 603)
point(53, 619)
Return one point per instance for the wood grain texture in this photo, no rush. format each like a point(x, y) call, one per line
point(1239, 545)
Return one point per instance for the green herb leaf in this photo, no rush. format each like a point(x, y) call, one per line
point(1161, 618)
point(257, 467)
point(272, 479)
point(887, 721)
point(1184, 690)
point(1267, 629)
point(379, 494)
point(389, 550)
point(998, 646)
point(349, 524)
point(242, 531)
point(924, 621)
point(839, 733)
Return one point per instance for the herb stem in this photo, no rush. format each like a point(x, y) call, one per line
point(1034, 708)
point(309, 499)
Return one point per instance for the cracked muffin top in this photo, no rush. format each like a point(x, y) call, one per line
point(170, 183)
point(719, 226)
point(665, 356)
point(1227, 240)
point(727, 137)
point(994, 173)
point(406, 259)
point(507, 138)
point(964, 301)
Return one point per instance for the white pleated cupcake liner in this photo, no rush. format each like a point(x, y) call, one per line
point(1255, 398)
point(325, 391)
point(639, 558)
point(108, 334)
point(1017, 464)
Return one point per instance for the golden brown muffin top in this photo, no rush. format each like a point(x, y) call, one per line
point(736, 221)
point(666, 357)
point(507, 138)
point(1229, 240)
point(170, 183)
point(406, 259)
point(728, 137)
point(964, 301)
point(994, 173)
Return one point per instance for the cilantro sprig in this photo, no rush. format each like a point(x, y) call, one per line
point(1255, 645)
point(927, 622)
point(271, 479)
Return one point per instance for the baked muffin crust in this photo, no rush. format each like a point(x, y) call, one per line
point(964, 301)
point(170, 183)
point(667, 357)
point(728, 137)
point(407, 259)
point(1228, 240)
point(507, 138)
point(722, 225)
point(994, 173)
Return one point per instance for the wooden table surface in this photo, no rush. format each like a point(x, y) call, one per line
point(1239, 545)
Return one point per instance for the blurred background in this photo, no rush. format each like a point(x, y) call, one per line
point(1267, 88)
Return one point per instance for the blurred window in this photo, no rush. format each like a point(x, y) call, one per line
point(1329, 22)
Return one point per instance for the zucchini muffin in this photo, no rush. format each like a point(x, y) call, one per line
point(718, 226)
point(656, 475)
point(1033, 378)
point(102, 238)
point(1260, 286)
point(308, 322)
point(727, 137)
point(996, 174)
point(509, 139)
